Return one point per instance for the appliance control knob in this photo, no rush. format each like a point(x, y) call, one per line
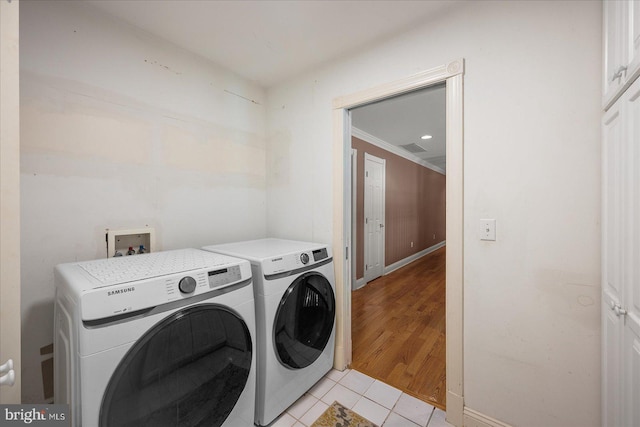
point(304, 258)
point(187, 285)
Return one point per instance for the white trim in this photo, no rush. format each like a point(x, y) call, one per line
point(359, 283)
point(354, 195)
point(399, 264)
point(455, 243)
point(417, 81)
point(476, 419)
point(342, 225)
point(373, 140)
point(455, 408)
point(10, 335)
point(450, 73)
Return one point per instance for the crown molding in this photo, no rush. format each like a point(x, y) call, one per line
point(358, 133)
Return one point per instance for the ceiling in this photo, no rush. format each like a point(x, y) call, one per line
point(270, 41)
point(403, 120)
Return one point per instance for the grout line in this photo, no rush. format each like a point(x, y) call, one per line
point(430, 416)
point(361, 396)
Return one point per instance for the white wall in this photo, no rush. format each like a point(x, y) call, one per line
point(532, 95)
point(122, 130)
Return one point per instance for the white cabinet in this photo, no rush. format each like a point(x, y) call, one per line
point(615, 46)
point(621, 47)
point(633, 31)
point(620, 262)
point(611, 274)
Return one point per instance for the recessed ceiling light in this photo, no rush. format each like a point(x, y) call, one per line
point(426, 137)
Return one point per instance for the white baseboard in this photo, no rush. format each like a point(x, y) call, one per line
point(476, 419)
point(339, 362)
point(455, 409)
point(396, 265)
point(360, 283)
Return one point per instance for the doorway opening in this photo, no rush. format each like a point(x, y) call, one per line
point(451, 75)
point(398, 309)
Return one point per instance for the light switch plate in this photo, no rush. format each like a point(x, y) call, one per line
point(488, 229)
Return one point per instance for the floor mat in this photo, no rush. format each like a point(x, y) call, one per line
point(337, 415)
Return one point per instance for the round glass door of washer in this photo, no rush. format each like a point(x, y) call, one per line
point(188, 370)
point(304, 320)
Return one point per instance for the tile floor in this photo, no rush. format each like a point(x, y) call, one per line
point(378, 402)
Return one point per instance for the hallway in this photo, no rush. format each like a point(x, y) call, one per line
point(398, 329)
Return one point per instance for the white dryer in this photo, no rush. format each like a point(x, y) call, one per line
point(295, 318)
point(160, 339)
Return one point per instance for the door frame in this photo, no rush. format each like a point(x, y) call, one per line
point(451, 74)
point(10, 324)
point(371, 157)
point(354, 196)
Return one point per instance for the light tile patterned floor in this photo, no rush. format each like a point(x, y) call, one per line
point(378, 402)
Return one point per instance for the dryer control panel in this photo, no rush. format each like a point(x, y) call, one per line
point(118, 286)
point(295, 261)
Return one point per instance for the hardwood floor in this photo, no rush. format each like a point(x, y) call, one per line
point(398, 329)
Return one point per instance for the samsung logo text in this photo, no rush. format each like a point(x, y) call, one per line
point(121, 291)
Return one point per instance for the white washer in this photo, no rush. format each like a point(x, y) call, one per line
point(295, 318)
point(160, 339)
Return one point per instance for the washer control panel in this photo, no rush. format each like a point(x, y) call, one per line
point(133, 295)
point(320, 254)
point(224, 276)
point(187, 285)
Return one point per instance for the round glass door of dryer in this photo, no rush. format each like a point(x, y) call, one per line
point(188, 370)
point(304, 321)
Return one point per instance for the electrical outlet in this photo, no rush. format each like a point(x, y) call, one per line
point(411, 244)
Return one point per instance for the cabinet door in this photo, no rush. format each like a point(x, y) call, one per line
point(611, 367)
point(616, 45)
point(613, 136)
point(612, 324)
point(633, 37)
point(631, 249)
point(631, 378)
point(620, 266)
